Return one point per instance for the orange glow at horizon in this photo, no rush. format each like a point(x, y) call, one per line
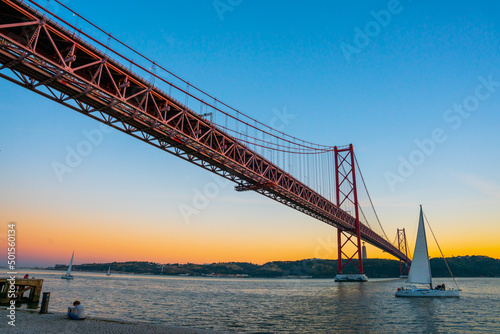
point(52, 242)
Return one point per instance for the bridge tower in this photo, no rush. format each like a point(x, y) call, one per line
point(347, 197)
point(404, 267)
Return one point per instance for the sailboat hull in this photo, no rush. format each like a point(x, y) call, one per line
point(427, 293)
point(66, 277)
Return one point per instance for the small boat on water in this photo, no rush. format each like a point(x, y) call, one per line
point(68, 273)
point(109, 271)
point(419, 277)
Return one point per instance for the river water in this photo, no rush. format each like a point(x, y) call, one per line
point(278, 305)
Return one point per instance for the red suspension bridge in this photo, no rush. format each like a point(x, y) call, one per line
point(46, 54)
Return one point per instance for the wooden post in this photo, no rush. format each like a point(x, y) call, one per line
point(45, 303)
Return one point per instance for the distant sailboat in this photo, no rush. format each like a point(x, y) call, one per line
point(109, 271)
point(420, 271)
point(68, 273)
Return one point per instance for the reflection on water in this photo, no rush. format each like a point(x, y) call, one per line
point(273, 306)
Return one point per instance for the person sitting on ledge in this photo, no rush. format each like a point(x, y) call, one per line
point(27, 276)
point(77, 312)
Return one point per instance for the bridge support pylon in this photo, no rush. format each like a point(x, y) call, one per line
point(404, 267)
point(347, 198)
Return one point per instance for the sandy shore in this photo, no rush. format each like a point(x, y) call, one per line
point(29, 322)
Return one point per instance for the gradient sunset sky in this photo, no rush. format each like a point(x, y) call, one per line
point(430, 72)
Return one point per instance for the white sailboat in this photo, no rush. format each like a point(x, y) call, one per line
point(109, 271)
point(420, 271)
point(68, 273)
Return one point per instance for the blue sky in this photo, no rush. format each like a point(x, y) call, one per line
point(263, 56)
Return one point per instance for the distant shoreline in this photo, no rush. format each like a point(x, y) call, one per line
point(462, 266)
point(211, 277)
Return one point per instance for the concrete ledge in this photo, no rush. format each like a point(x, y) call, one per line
point(31, 322)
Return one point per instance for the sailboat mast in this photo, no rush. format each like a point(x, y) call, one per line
point(421, 219)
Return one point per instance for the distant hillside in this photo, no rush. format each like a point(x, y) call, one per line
point(466, 266)
point(463, 266)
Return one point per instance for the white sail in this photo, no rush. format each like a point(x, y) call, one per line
point(68, 273)
point(420, 270)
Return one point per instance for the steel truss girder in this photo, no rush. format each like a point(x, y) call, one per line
point(96, 86)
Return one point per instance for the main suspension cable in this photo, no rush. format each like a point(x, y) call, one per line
point(153, 74)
